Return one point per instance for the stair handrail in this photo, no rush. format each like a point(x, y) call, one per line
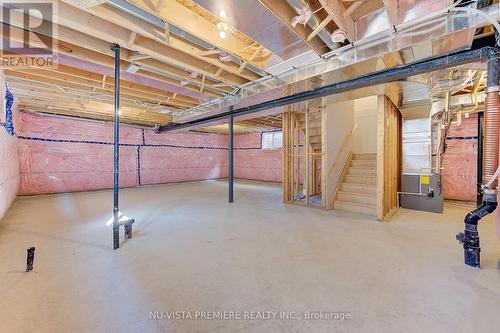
point(346, 143)
point(344, 146)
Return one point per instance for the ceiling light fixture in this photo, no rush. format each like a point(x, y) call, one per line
point(223, 27)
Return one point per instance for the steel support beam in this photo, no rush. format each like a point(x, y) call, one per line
point(230, 157)
point(380, 77)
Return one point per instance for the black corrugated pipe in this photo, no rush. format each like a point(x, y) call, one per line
point(470, 237)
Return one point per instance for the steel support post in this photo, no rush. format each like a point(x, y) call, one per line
point(116, 151)
point(230, 158)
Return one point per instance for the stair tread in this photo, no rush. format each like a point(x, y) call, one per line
point(365, 157)
point(364, 163)
point(362, 168)
point(357, 193)
point(355, 204)
point(370, 186)
point(362, 176)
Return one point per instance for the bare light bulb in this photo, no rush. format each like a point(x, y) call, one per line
point(222, 34)
point(222, 14)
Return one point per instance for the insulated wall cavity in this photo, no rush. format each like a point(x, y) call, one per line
point(459, 168)
point(176, 157)
point(65, 155)
point(253, 162)
point(9, 166)
point(59, 154)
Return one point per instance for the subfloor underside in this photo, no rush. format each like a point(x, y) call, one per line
point(192, 251)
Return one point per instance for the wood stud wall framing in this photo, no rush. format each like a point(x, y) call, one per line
point(389, 157)
point(303, 161)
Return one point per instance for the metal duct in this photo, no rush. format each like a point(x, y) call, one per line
point(313, 23)
point(336, 89)
point(365, 54)
point(409, 10)
point(133, 10)
point(372, 23)
point(491, 121)
point(255, 21)
point(450, 81)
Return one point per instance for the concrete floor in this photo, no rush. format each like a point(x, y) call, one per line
point(193, 252)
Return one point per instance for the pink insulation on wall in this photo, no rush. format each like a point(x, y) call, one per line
point(59, 154)
point(459, 163)
point(9, 168)
point(65, 163)
point(251, 162)
point(52, 167)
point(64, 155)
point(204, 157)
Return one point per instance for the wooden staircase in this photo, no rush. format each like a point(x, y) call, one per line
point(314, 126)
point(358, 189)
point(311, 129)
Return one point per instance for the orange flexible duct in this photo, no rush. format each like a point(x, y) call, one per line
point(492, 111)
point(491, 134)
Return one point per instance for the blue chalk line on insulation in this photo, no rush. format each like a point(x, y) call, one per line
point(9, 127)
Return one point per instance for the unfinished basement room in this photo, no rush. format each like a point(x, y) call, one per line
point(249, 166)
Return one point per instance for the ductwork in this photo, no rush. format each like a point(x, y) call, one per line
point(427, 38)
point(470, 237)
point(491, 120)
point(257, 22)
point(345, 88)
point(313, 22)
point(133, 10)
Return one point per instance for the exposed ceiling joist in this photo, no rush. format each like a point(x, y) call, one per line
point(89, 86)
point(336, 10)
point(74, 18)
point(99, 52)
point(352, 8)
point(74, 21)
point(282, 10)
point(391, 6)
point(124, 20)
point(109, 81)
point(195, 21)
point(320, 27)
